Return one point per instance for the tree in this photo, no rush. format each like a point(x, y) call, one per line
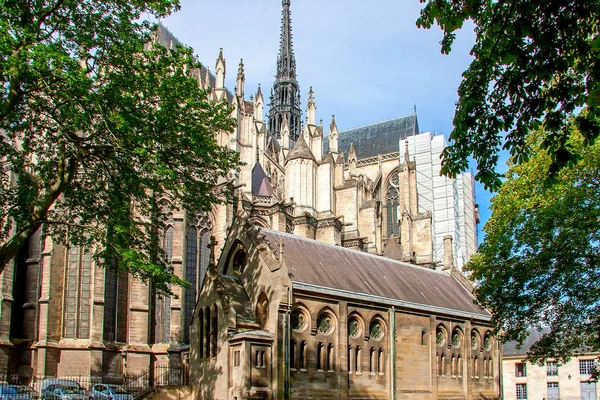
point(539, 264)
point(97, 126)
point(536, 63)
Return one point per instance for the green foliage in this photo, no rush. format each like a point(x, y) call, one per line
point(536, 63)
point(98, 126)
point(539, 265)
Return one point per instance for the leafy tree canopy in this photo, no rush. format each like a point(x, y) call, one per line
point(96, 128)
point(536, 63)
point(539, 265)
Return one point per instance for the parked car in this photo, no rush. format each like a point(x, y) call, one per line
point(16, 392)
point(62, 389)
point(102, 391)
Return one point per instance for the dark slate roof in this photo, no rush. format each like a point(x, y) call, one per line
point(167, 39)
point(378, 138)
point(300, 150)
point(261, 184)
point(350, 273)
point(511, 348)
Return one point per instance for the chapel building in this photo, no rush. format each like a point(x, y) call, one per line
point(375, 190)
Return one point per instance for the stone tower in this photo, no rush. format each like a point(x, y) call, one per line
point(285, 95)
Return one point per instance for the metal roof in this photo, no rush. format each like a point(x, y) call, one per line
point(324, 268)
point(511, 348)
point(378, 138)
point(261, 184)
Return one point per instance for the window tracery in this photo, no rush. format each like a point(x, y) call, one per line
point(392, 205)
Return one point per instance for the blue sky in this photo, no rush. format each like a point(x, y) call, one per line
point(366, 60)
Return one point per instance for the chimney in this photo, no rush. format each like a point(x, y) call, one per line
point(448, 253)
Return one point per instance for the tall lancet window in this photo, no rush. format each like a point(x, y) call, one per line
point(391, 203)
point(78, 293)
point(161, 312)
point(163, 308)
point(115, 304)
point(196, 262)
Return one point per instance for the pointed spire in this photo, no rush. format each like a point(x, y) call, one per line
point(311, 108)
point(286, 62)
point(352, 158)
point(333, 136)
point(241, 77)
point(259, 103)
point(285, 98)
point(352, 152)
point(220, 68)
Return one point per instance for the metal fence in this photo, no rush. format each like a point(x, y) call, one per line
point(139, 385)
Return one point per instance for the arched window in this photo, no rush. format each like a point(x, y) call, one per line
point(476, 367)
point(207, 327)
point(237, 260)
point(485, 366)
point(355, 327)
point(302, 355)
point(201, 333)
point(490, 368)
point(350, 363)
point(453, 365)
point(380, 362)
point(441, 336)
point(320, 356)
point(372, 360)
point(204, 255)
point(391, 203)
point(262, 310)
point(442, 365)
point(191, 269)
point(475, 339)
point(459, 362)
point(292, 354)
point(423, 338)
point(78, 293)
point(214, 331)
point(358, 360)
point(329, 364)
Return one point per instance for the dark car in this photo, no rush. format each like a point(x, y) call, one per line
point(16, 392)
point(62, 389)
point(102, 391)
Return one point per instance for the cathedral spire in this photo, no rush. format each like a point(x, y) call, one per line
point(286, 62)
point(285, 98)
point(241, 77)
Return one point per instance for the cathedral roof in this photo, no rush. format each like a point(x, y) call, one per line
point(300, 150)
point(378, 138)
point(335, 270)
point(261, 184)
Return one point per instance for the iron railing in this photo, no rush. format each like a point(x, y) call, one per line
point(138, 385)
